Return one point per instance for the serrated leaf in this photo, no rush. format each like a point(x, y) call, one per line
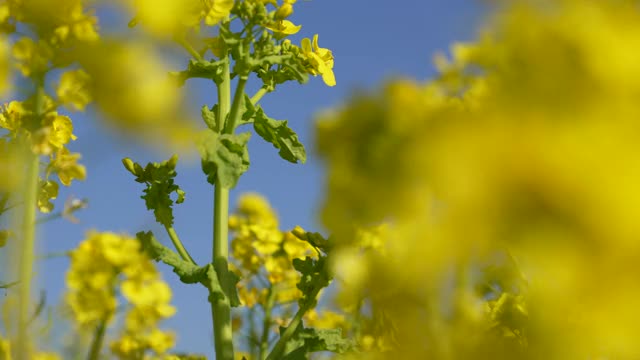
point(308, 340)
point(224, 157)
point(210, 117)
point(159, 178)
point(280, 136)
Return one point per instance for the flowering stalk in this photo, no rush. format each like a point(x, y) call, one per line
point(220, 307)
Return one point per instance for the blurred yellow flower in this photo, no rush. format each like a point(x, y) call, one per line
point(73, 89)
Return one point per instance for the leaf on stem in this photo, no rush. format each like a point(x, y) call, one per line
point(159, 178)
point(309, 340)
point(277, 133)
point(224, 157)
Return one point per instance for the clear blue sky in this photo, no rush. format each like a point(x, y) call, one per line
point(372, 40)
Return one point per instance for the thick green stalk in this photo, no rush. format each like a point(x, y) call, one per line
point(220, 307)
point(27, 246)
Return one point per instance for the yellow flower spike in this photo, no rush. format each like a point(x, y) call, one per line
point(73, 89)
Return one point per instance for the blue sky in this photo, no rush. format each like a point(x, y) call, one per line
point(372, 40)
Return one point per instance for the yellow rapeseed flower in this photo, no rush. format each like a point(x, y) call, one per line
point(320, 60)
point(73, 89)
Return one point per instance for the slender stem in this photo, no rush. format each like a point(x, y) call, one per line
point(98, 339)
point(234, 114)
point(28, 236)
point(220, 306)
point(183, 42)
point(184, 254)
point(259, 94)
point(266, 325)
point(279, 347)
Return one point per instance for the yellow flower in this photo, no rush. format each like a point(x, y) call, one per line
point(217, 10)
point(320, 60)
point(168, 17)
point(283, 28)
point(33, 58)
point(48, 191)
point(327, 320)
point(73, 89)
point(65, 165)
point(78, 24)
point(11, 116)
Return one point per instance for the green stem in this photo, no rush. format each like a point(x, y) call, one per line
point(259, 94)
point(183, 42)
point(279, 347)
point(234, 114)
point(184, 254)
point(266, 325)
point(29, 236)
point(98, 339)
point(220, 306)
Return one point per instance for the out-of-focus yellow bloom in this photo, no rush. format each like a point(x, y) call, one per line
point(5, 349)
point(46, 356)
point(320, 60)
point(56, 131)
point(11, 116)
point(141, 98)
point(4, 64)
point(77, 25)
point(73, 89)
point(326, 320)
point(217, 10)
point(33, 57)
point(48, 191)
point(65, 165)
point(259, 248)
point(98, 265)
point(526, 141)
point(168, 17)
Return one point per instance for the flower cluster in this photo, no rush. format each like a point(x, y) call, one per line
point(526, 141)
point(261, 250)
point(106, 264)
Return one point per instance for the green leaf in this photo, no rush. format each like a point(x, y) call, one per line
point(280, 136)
point(210, 117)
point(310, 340)
point(159, 178)
point(224, 157)
point(315, 275)
point(199, 69)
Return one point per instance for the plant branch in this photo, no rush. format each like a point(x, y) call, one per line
point(184, 254)
point(279, 347)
